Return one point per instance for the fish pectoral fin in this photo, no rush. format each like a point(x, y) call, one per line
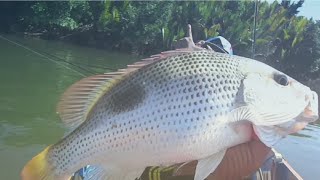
point(207, 165)
point(268, 135)
point(265, 117)
point(270, 117)
point(263, 123)
point(243, 113)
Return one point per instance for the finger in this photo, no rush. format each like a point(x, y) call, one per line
point(241, 161)
point(187, 169)
point(238, 162)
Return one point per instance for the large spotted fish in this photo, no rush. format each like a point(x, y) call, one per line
point(169, 109)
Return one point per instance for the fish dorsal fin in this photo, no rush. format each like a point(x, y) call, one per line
point(78, 100)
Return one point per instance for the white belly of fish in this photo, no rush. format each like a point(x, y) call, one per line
point(172, 148)
point(174, 134)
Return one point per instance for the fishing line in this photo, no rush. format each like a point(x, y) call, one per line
point(77, 64)
point(78, 57)
point(99, 67)
point(39, 54)
point(70, 63)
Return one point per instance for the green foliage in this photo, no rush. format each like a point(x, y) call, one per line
point(303, 61)
point(136, 25)
point(283, 40)
point(48, 16)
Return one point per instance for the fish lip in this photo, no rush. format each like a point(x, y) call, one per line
point(308, 115)
point(310, 112)
point(298, 123)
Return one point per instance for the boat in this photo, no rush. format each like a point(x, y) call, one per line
point(275, 168)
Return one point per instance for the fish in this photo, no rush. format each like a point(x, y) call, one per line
point(172, 108)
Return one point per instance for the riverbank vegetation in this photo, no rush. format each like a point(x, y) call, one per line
point(285, 40)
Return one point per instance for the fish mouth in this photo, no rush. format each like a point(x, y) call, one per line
point(309, 114)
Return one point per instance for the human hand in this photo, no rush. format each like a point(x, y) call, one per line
point(238, 162)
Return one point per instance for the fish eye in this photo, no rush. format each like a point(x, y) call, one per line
point(281, 79)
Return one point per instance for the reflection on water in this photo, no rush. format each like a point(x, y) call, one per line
point(302, 134)
point(31, 86)
point(302, 151)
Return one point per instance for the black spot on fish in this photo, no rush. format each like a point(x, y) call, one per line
point(127, 98)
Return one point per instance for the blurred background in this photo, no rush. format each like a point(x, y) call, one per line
point(47, 46)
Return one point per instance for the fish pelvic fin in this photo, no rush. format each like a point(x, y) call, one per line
point(113, 173)
point(207, 165)
point(78, 100)
point(38, 168)
point(268, 135)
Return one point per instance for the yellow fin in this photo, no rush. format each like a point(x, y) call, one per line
point(38, 168)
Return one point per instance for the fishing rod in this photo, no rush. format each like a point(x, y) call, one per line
point(46, 57)
point(254, 28)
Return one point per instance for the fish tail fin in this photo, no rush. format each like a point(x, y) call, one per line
point(38, 167)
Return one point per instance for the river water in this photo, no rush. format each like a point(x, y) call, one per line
point(34, 73)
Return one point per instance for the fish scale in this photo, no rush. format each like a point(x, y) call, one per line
point(170, 110)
